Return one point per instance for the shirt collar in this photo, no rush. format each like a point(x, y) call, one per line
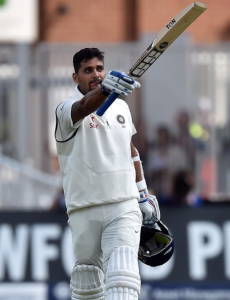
point(78, 91)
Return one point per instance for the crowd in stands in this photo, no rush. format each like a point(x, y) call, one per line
point(172, 163)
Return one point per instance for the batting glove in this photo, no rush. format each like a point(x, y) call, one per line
point(119, 82)
point(149, 207)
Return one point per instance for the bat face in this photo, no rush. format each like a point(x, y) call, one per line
point(166, 37)
point(147, 59)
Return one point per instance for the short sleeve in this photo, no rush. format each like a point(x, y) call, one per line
point(134, 131)
point(65, 128)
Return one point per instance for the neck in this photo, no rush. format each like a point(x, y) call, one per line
point(80, 90)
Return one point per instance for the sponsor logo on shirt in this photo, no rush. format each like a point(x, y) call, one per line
point(94, 123)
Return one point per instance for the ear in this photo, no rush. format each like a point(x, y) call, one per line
point(75, 77)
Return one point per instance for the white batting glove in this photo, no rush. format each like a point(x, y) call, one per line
point(149, 207)
point(119, 82)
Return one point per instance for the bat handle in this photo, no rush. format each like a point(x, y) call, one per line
point(101, 110)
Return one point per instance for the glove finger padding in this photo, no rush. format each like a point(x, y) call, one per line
point(127, 82)
point(120, 83)
point(153, 201)
point(150, 209)
point(113, 86)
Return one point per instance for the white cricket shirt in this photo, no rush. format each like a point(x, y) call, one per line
point(95, 155)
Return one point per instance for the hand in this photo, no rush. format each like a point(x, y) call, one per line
point(149, 207)
point(120, 83)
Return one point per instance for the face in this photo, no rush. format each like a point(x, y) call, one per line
point(90, 74)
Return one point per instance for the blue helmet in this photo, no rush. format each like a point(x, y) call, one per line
point(156, 244)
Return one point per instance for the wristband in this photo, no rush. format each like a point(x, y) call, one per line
point(141, 185)
point(136, 158)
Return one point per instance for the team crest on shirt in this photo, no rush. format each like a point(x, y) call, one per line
point(121, 120)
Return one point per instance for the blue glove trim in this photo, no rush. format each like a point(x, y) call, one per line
point(143, 201)
point(122, 76)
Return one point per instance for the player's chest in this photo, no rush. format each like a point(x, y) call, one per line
point(118, 122)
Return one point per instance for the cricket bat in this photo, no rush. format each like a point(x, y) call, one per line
point(166, 36)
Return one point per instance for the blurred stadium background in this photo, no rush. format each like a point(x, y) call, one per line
point(182, 117)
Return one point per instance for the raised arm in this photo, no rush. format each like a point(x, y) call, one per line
point(88, 104)
point(114, 81)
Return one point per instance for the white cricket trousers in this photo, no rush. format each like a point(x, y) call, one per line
point(105, 244)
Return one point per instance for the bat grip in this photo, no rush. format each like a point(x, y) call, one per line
point(101, 110)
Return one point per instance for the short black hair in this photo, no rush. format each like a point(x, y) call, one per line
point(84, 55)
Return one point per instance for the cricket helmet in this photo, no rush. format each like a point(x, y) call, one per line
point(156, 244)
